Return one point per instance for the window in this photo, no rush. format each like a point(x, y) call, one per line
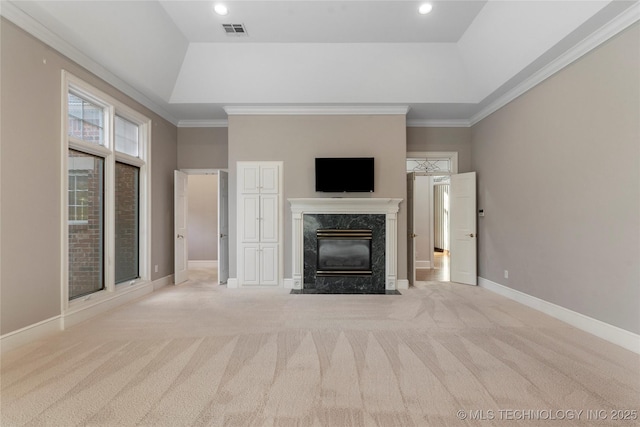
point(86, 120)
point(126, 137)
point(86, 229)
point(127, 222)
point(428, 165)
point(78, 195)
point(107, 209)
point(432, 162)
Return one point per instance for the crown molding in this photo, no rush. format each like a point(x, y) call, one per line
point(613, 27)
point(19, 17)
point(203, 123)
point(316, 110)
point(458, 123)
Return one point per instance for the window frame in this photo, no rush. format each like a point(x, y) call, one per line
point(111, 107)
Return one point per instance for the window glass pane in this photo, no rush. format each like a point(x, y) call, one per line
point(126, 137)
point(86, 120)
point(127, 208)
point(428, 165)
point(86, 223)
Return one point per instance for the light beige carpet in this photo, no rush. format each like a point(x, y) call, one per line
point(203, 355)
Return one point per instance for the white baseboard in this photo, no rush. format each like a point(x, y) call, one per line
point(423, 264)
point(202, 264)
point(403, 283)
point(162, 282)
point(232, 283)
point(74, 316)
point(30, 333)
point(103, 303)
point(288, 284)
point(613, 334)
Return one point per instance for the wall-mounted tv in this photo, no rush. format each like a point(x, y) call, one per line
point(344, 174)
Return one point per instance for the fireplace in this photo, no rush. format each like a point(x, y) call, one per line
point(343, 252)
point(377, 215)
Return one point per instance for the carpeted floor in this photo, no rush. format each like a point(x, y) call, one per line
point(200, 354)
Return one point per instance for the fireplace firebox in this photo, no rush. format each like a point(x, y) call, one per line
point(344, 252)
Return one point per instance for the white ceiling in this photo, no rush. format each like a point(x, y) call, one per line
point(448, 67)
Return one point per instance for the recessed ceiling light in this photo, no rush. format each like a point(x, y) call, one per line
point(425, 8)
point(220, 9)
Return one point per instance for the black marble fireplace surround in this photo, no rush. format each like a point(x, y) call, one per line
point(369, 284)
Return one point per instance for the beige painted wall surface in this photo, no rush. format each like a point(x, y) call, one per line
point(163, 162)
point(442, 139)
point(298, 140)
point(203, 217)
point(202, 148)
point(30, 178)
point(559, 180)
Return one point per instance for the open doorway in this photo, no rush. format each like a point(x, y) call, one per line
point(429, 247)
point(440, 260)
point(205, 235)
point(431, 228)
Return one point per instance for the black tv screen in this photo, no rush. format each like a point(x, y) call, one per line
point(344, 174)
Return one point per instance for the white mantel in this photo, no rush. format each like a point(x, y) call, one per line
point(339, 205)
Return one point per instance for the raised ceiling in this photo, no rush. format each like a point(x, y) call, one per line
point(452, 66)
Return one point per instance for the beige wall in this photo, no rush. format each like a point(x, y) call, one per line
point(202, 148)
point(442, 139)
point(203, 217)
point(559, 181)
point(298, 140)
point(30, 178)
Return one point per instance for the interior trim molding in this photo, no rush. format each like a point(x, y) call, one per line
point(403, 283)
point(221, 123)
point(162, 282)
point(615, 26)
point(453, 123)
point(56, 324)
point(596, 327)
point(30, 333)
point(328, 110)
point(23, 20)
point(73, 316)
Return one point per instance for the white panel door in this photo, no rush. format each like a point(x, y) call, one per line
point(248, 177)
point(250, 214)
point(223, 227)
point(251, 265)
point(269, 177)
point(269, 264)
point(463, 228)
point(181, 204)
point(269, 218)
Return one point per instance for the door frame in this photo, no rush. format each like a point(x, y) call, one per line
point(452, 156)
point(212, 171)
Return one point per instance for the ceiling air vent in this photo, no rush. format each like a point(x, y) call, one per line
point(235, 29)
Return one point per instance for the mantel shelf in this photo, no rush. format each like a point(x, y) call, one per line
point(378, 205)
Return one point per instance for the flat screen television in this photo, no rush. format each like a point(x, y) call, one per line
point(344, 174)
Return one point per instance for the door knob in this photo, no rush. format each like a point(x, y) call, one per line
point(180, 236)
point(470, 235)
